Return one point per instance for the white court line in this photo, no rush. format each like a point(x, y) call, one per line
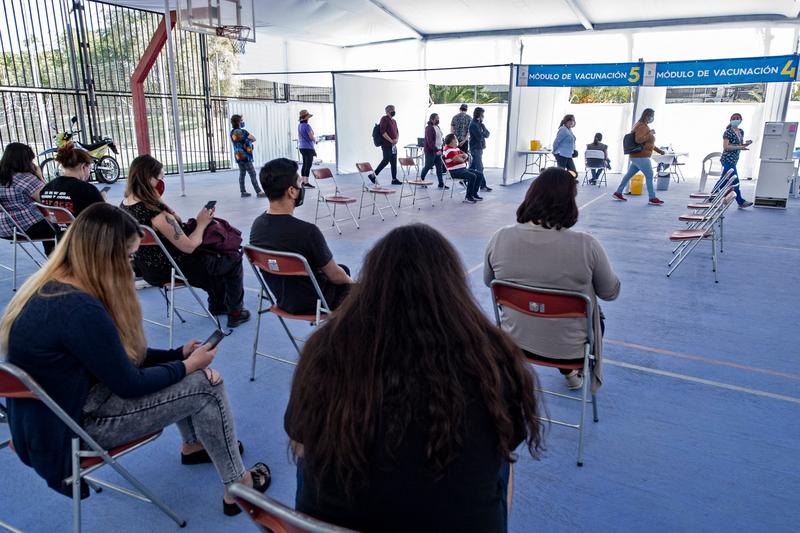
point(692, 379)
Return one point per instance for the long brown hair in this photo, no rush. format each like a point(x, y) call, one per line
point(141, 170)
point(550, 200)
point(94, 254)
point(407, 345)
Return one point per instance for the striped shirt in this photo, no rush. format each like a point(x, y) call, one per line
point(450, 153)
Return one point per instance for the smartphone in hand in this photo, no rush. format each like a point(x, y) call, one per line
point(211, 204)
point(105, 189)
point(215, 339)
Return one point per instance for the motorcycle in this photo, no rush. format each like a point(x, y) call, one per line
point(105, 167)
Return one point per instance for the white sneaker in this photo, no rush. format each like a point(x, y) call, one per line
point(574, 380)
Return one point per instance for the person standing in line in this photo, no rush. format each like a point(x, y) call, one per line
point(390, 135)
point(433, 150)
point(605, 162)
point(306, 144)
point(564, 145)
point(732, 143)
point(640, 160)
point(459, 126)
point(477, 144)
point(242, 141)
point(456, 162)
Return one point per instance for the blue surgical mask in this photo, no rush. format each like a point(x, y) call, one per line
point(241, 124)
point(735, 123)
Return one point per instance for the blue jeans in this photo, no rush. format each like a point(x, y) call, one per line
point(637, 164)
point(246, 167)
point(735, 181)
point(476, 165)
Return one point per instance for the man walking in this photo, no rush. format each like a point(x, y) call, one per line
point(433, 150)
point(389, 138)
point(459, 126)
point(242, 141)
point(477, 144)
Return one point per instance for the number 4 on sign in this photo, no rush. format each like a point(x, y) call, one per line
point(789, 70)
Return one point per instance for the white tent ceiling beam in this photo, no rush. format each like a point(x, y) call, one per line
point(396, 17)
point(580, 13)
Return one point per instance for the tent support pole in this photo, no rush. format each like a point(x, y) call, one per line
point(174, 90)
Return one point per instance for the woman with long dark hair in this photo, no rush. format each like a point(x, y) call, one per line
point(20, 184)
point(541, 250)
point(564, 144)
point(407, 405)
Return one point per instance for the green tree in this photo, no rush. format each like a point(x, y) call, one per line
point(600, 95)
point(796, 92)
point(456, 94)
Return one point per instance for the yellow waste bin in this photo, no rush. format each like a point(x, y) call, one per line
point(536, 144)
point(637, 184)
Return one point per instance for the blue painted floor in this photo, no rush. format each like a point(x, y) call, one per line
point(699, 417)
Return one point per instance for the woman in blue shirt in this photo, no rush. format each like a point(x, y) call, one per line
point(732, 143)
point(306, 144)
point(564, 145)
point(76, 327)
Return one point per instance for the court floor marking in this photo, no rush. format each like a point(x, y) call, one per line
point(710, 361)
point(701, 381)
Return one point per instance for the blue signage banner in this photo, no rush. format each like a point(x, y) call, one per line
point(722, 71)
point(603, 74)
point(663, 74)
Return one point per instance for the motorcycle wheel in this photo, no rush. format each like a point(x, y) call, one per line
point(51, 169)
point(106, 169)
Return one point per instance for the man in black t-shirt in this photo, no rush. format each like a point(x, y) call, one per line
point(279, 230)
point(71, 193)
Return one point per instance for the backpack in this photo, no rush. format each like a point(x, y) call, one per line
point(220, 237)
point(377, 138)
point(629, 144)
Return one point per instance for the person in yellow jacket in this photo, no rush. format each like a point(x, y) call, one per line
point(640, 161)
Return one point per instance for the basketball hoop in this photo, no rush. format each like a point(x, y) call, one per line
point(237, 35)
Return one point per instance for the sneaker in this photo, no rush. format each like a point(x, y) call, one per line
point(479, 198)
point(442, 186)
point(618, 196)
point(592, 182)
point(372, 178)
point(238, 318)
point(397, 182)
point(308, 186)
point(246, 195)
point(745, 205)
point(574, 380)
point(470, 200)
point(655, 201)
point(486, 189)
point(261, 195)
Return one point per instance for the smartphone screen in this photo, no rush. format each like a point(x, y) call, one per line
point(105, 189)
point(215, 338)
point(211, 204)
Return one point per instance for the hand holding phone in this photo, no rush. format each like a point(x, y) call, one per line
point(214, 339)
point(748, 142)
point(105, 190)
point(211, 204)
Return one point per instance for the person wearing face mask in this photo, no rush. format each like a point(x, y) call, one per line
point(640, 160)
point(389, 137)
point(732, 143)
point(277, 229)
point(564, 145)
point(477, 144)
point(242, 141)
point(433, 150)
point(70, 189)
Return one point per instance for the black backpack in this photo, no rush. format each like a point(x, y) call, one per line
point(629, 144)
point(377, 138)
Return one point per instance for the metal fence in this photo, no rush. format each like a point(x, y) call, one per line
point(60, 58)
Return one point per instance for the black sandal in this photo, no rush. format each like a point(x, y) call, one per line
point(201, 456)
point(262, 478)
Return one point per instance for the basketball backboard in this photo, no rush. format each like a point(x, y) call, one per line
point(227, 18)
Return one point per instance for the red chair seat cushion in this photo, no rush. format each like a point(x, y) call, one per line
point(420, 182)
point(688, 234)
point(340, 199)
point(698, 206)
point(689, 217)
point(91, 461)
point(381, 190)
point(284, 314)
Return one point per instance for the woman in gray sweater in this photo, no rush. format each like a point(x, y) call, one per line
point(543, 251)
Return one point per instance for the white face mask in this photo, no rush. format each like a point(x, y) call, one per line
point(735, 123)
point(650, 120)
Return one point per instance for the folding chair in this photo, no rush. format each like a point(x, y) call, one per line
point(407, 162)
point(271, 516)
point(375, 190)
point(706, 199)
point(6, 444)
point(177, 280)
point(336, 199)
point(16, 383)
point(56, 215)
point(595, 154)
point(554, 304)
point(413, 184)
point(688, 239)
point(19, 238)
point(280, 264)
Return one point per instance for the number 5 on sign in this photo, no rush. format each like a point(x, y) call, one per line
point(789, 70)
point(634, 76)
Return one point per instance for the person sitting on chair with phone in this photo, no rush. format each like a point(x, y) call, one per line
point(219, 274)
point(71, 189)
point(278, 230)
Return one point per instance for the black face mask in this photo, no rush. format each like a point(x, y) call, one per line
point(391, 113)
point(301, 196)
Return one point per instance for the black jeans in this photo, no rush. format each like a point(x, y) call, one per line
point(246, 167)
point(221, 276)
point(389, 158)
point(44, 230)
point(432, 160)
point(308, 160)
point(566, 163)
point(471, 178)
point(334, 294)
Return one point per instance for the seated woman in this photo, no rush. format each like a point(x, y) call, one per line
point(407, 404)
point(70, 190)
point(93, 360)
point(597, 164)
point(542, 251)
point(20, 183)
point(220, 275)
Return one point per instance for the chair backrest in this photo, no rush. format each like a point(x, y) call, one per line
point(56, 215)
point(594, 154)
point(271, 515)
point(708, 164)
point(364, 167)
point(543, 302)
point(149, 237)
point(406, 161)
point(12, 384)
point(322, 173)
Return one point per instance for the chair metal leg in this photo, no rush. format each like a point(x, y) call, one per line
point(289, 333)
point(714, 256)
point(171, 306)
point(14, 272)
point(258, 331)
point(584, 394)
point(76, 485)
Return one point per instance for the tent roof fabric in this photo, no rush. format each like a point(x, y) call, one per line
point(361, 22)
